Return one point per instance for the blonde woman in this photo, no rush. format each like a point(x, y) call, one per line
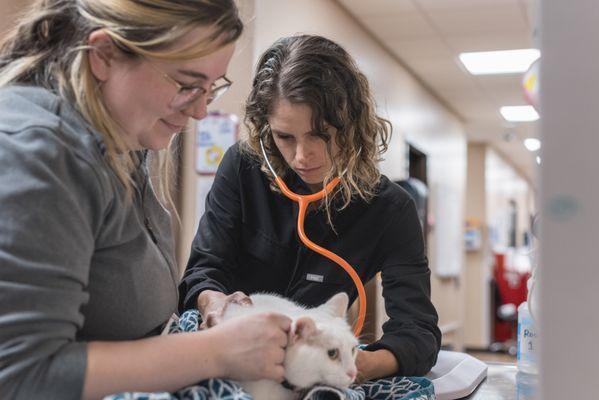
point(89, 88)
point(313, 110)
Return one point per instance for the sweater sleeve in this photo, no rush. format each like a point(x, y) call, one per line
point(213, 258)
point(50, 197)
point(411, 333)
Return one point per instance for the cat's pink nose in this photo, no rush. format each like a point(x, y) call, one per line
point(352, 373)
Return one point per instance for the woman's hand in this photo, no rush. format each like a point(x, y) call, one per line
point(375, 364)
point(212, 305)
point(244, 348)
point(252, 347)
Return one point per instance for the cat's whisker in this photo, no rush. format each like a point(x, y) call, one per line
point(363, 337)
point(367, 320)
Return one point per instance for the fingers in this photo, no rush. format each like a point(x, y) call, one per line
point(213, 318)
point(282, 339)
point(257, 350)
point(282, 321)
point(274, 364)
point(276, 327)
point(277, 373)
point(208, 300)
point(235, 298)
point(239, 298)
point(279, 345)
point(279, 326)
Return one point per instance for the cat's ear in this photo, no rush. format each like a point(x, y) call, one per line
point(302, 328)
point(337, 304)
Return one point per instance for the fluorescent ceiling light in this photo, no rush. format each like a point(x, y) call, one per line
point(532, 144)
point(499, 62)
point(519, 113)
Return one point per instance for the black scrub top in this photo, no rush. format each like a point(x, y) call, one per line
point(247, 240)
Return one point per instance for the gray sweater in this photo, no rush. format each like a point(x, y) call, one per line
point(77, 260)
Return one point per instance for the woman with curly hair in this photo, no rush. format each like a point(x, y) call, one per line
point(92, 94)
point(313, 110)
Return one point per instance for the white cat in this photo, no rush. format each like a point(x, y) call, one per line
point(321, 348)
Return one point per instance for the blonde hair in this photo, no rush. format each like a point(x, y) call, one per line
point(317, 72)
point(48, 49)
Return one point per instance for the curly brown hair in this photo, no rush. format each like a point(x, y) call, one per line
point(317, 72)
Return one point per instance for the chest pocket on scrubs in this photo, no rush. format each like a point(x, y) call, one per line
point(263, 262)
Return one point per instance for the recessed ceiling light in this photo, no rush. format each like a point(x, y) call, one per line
point(519, 113)
point(499, 62)
point(539, 160)
point(532, 144)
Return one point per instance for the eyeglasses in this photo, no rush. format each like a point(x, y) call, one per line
point(188, 94)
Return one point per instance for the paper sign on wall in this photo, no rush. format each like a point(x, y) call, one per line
point(214, 135)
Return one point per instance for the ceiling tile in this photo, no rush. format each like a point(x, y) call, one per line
point(434, 65)
point(463, 4)
point(409, 25)
point(419, 48)
point(450, 80)
point(361, 8)
point(473, 109)
point(507, 97)
point(490, 42)
point(499, 82)
point(479, 21)
point(442, 74)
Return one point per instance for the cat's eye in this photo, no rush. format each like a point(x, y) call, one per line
point(333, 354)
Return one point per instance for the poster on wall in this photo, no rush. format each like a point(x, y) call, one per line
point(473, 237)
point(214, 135)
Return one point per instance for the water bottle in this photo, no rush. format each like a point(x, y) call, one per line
point(527, 341)
point(526, 386)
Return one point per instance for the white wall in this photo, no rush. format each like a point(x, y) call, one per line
point(11, 9)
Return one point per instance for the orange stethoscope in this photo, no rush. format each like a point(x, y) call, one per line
point(303, 202)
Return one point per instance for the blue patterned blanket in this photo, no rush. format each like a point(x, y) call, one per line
point(394, 388)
